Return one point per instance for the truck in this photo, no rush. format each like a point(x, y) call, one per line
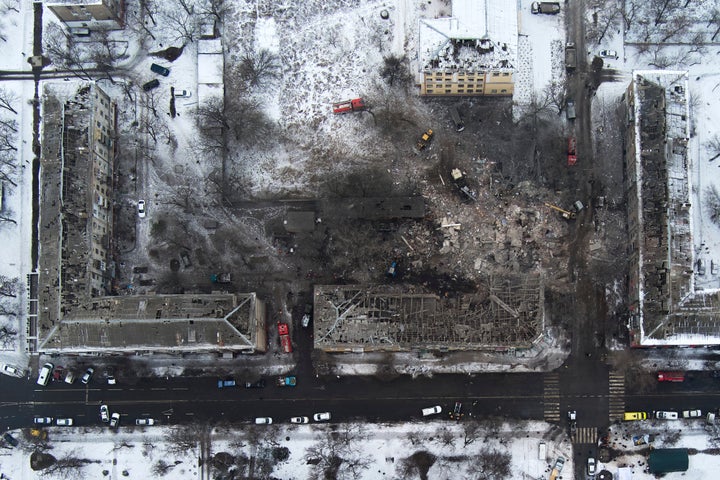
point(347, 106)
point(559, 464)
point(548, 8)
point(284, 332)
point(570, 56)
point(221, 278)
point(286, 381)
point(571, 152)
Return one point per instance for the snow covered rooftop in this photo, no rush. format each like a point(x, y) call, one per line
point(479, 35)
point(671, 306)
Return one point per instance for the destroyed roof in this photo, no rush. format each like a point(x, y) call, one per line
point(158, 323)
point(479, 35)
point(674, 304)
point(387, 318)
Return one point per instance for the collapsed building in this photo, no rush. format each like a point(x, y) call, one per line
point(674, 299)
point(355, 318)
point(73, 309)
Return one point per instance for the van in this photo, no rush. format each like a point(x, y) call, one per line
point(459, 125)
point(542, 452)
point(431, 410)
point(570, 109)
point(630, 416)
point(44, 375)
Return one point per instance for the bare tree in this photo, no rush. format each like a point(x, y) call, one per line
point(712, 202)
point(395, 70)
point(9, 286)
point(183, 439)
point(65, 468)
point(471, 432)
point(490, 464)
point(7, 336)
point(257, 69)
point(7, 99)
point(180, 24)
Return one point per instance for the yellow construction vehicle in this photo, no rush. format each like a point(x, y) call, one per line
point(567, 215)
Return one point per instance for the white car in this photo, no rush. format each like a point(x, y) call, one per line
point(104, 413)
point(87, 375)
point(666, 415)
point(114, 420)
point(64, 422)
point(182, 93)
point(12, 371)
point(145, 421)
point(299, 420)
point(431, 410)
point(692, 413)
point(263, 421)
point(608, 54)
point(321, 417)
point(141, 209)
point(591, 466)
point(44, 375)
point(43, 420)
point(70, 377)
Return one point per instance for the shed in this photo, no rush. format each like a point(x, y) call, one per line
point(665, 460)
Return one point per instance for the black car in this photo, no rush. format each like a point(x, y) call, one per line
point(151, 85)
point(10, 439)
point(259, 384)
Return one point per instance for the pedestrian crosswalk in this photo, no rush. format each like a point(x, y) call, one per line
point(584, 435)
point(551, 397)
point(616, 394)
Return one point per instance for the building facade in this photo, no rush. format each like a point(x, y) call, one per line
point(105, 14)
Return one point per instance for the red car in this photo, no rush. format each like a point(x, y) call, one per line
point(671, 376)
point(284, 333)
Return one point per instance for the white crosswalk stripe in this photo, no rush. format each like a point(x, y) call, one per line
point(616, 396)
point(551, 397)
point(584, 435)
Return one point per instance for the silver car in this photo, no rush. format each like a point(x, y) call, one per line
point(321, 417)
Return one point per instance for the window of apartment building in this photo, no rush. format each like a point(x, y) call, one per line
point(506, 74)
point(493, 91)
point(448, 90)
point(495, 74)
point(503, 90)
point(460, 90)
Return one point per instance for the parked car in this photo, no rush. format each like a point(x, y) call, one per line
point(664, 415)
point(692, 413)
point(226, 383)
point(591, 466)
point(159, 69)
point(44, 375)
point(259, 384)
point(287, 381)
point(42, 420)
point(64, 422)
point(608, 54)
point(141, 208)
point(299, 420)
point(629, 416)
point(10, 439)
point(548, 8)
point(182, 93)
point(145, 421)
point(457, 414)
point(70, 377)
point(104, 413)
point(431, 410)
point(570, 109)
point(321, 417)
point(152, 84)
point(12, 371)
point(87, 375)
point(114, 420)
point(263, 421)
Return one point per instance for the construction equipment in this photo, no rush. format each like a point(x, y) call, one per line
point(425, 139)
point(461, 184)
point(354, 105)
point(564, 213)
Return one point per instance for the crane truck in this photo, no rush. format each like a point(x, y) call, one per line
point(567, 215)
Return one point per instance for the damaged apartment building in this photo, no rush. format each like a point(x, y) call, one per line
point(471, 52)
point(505, 316)
point(673, 297)
point(77, 310)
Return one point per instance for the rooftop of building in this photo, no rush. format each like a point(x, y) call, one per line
point(479, 35)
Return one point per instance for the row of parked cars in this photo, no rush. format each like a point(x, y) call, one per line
point(50, 371)
point(318, 417)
